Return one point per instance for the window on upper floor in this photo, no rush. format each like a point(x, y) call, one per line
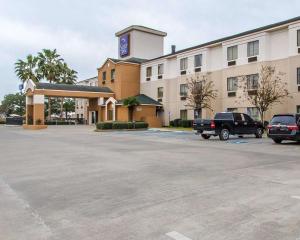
point(253, 48)
point(298, 108)
point(183, 64)
point(298, 38)
point(232, 53)
point(160, 92)
point(183, 90)
point(103, 76)
point(160, 69)
point(148, 73)
point(298, 76)
point(112, 74)
point(232, 84)
point(252, 81)
point(198, 60)
point(183, 114)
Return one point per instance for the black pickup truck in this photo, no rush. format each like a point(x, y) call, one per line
point(228, 123)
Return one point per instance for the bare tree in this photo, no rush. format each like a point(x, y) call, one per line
point(264, 91)
point(201, 92)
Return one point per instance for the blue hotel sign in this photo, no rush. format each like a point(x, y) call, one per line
point(124, 45)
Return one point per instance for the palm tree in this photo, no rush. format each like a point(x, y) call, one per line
point(131, 103)
point(68, 76)
point(27, 70)
point(49, 62)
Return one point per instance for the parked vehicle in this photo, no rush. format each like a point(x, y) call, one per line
point(284, 127)
point(225, 124)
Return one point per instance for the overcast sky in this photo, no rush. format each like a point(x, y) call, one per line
point(83, 30)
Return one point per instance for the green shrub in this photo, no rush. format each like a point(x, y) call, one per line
point(139, 125)
point(186, 123)
point(171, 123)
point(120, 125)
point(104, 125)
point(177, 122)
point(57, 122)
point(130, 125)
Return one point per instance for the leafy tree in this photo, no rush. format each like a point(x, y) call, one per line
point(201, 93)
point(13, 104)
point(269, 90)
point(69, 106)
point(49, 62)
point(131, 103)
point(68, 76)
point(28, 69)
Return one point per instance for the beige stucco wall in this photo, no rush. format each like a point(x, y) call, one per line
point(173, 104)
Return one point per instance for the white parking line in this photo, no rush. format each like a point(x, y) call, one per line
point(177, 236)
point(296, 197)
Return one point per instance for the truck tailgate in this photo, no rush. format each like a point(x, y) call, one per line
point(202, 124)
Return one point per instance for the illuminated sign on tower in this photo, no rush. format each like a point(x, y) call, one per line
point(124, 45)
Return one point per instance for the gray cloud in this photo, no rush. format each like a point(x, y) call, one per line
point(83, 31)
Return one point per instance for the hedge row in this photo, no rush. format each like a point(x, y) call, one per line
point(58, 122)
point(121, 125)
point(181, 123)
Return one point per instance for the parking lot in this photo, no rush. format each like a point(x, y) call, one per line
point(69, 182)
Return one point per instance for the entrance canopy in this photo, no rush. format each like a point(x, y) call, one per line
point(66, 90)
point(36, 92)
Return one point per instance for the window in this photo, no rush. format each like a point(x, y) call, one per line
point(232, 84)
point(160, 92)
point(183, 64)
point(253, 112)
point(160, 69)
point(103, 76)
point(253, 48)
point(183, 114)
point(298, 109)
point(232, 109)
point(298, 76)
point(252, 82)
point(224, 116)
point(198, 60)
point(298, 38)
point(149, 72)
point(232, 53)
point(183, 90)
point(112, 74)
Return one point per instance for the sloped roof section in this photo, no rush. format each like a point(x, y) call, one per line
point(219, 41)
point(129, 60)
point(142, 29)
point(74, 88)
point(143, 100)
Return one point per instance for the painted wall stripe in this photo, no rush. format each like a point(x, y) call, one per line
point(177, 236)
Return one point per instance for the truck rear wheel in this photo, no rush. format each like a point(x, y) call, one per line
point(205, 136)
point(259, 133)
point(278, 141)
point(224, 134)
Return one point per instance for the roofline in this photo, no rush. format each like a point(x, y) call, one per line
point(87, 79)
point(118, 62)
point(141, 29)
point(220, 40)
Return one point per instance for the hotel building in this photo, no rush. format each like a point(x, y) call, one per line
point(164, 77)
point(159, 81)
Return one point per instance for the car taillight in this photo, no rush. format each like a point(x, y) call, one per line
point(212, 124)
point(292, 127)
